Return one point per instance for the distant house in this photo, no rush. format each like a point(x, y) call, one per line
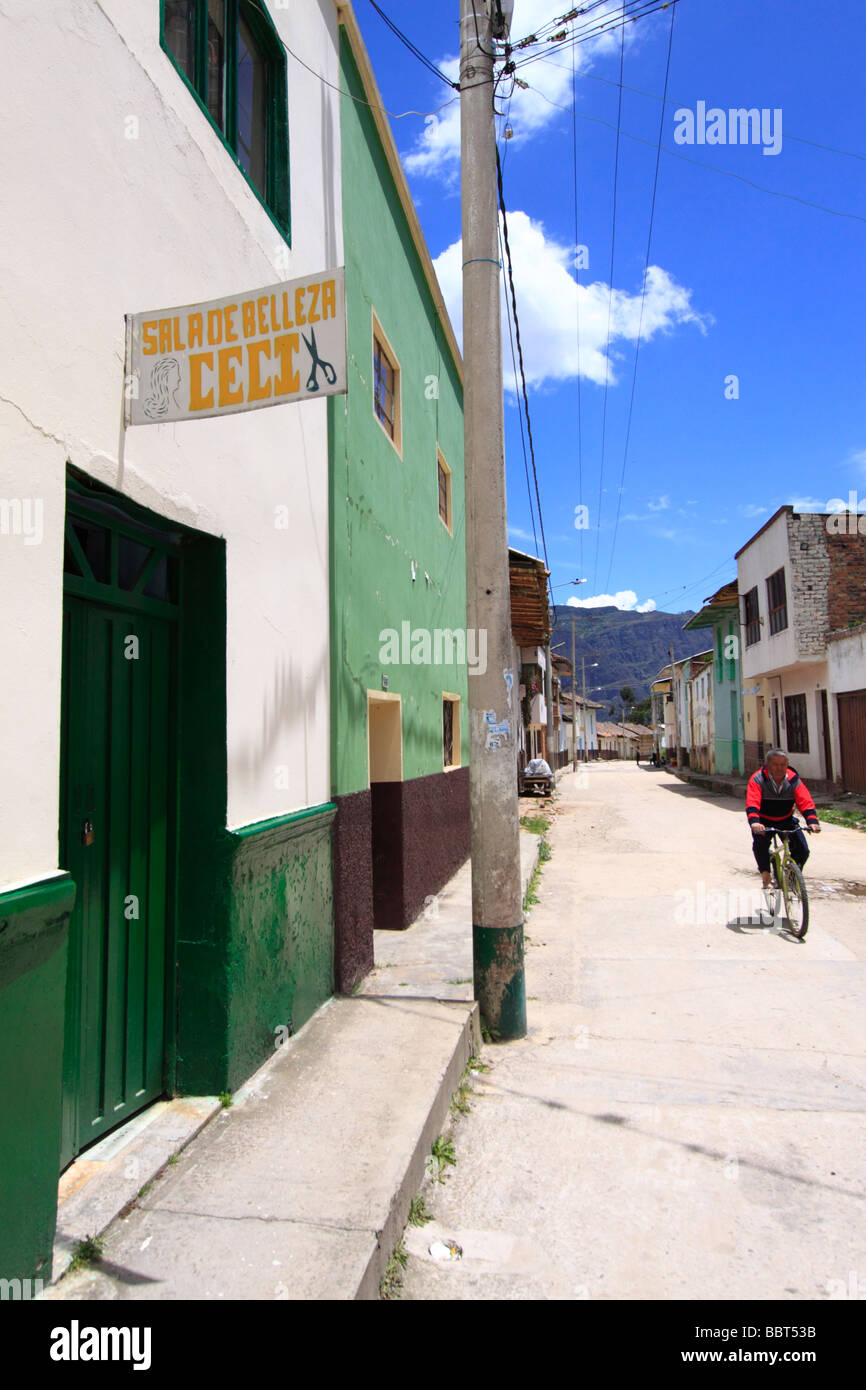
point(615, 741)
point(683, 697)
point(644, 736)
point(700, 682)
point(725, 752)
point(530, 631)
point(801, 578)
point(663, 721)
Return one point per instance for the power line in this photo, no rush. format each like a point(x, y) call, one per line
point(609, 307)
point(631, 11)
point(675, 101)
point(413, 48)
point(577, 297)
point(682, 589)
point(362, 101)
point(520, 358)
point(514, 369)
point(642, 304)
point(702, 163)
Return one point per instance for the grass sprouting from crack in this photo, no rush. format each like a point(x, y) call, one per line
point(391, 1283)
point(418, 1212)
point(87, 1252)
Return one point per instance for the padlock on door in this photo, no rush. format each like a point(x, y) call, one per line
point(87, 833)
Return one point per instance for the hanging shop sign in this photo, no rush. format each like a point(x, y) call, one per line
point(283, 343)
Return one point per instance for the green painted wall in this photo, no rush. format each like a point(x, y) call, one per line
point(384, 509)
point(726, 682)
point(281, 939)
point(34, 923)
point(263, 955)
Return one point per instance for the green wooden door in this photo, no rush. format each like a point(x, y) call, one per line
point(117, 828)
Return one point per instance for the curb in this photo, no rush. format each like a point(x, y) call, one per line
point(468, 1044)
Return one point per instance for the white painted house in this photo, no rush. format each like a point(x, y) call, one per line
point(164, 588)
point(801, 578)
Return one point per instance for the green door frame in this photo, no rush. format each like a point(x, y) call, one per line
point(149, 589)
point(196, 1045)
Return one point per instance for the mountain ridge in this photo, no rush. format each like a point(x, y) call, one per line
point(630, 648)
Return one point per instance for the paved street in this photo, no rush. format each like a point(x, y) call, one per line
point(685, 1118)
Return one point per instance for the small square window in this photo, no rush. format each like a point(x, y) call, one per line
point(444, 489)
point(450, 731)
point(386, 387)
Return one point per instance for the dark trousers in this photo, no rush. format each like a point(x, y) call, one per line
point(761, 847)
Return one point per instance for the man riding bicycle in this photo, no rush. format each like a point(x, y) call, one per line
point(771, 796)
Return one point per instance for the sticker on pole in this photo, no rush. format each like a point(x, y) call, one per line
point(284, 343)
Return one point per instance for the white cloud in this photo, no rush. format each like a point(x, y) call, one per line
point(858, 458)
point(625, 599)
point(753, 510)
point(661, 505)
point(808, 504)
point(437, 150)
point(549, 302)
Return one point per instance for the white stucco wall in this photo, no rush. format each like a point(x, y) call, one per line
point(846, 662)
point(754, 567)
point(846, 670)
point(807, 679)
point(97, 225)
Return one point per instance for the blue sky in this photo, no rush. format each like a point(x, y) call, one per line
point(745, 284)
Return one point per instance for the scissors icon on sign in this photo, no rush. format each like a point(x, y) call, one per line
point(327, 370)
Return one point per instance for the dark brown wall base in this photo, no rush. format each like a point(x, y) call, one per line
point(417, 833)
point(435, 836)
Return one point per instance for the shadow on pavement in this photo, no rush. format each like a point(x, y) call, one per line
point(739, 924)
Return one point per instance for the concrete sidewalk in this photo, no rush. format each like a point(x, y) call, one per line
point(302, 1188)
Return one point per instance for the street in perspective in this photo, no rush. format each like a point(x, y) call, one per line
point(433, 648)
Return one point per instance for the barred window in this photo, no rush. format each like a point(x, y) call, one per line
point(450, 731)
point(777, 601)
point(796, 724)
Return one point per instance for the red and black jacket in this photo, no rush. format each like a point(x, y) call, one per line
point(765, 804)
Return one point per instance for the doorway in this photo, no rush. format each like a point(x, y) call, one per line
point(118, 829)
point(825, 726)
point(735, 733)
point(385, 753)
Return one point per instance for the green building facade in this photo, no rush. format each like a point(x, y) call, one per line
point(398, 575)
point(720, 613)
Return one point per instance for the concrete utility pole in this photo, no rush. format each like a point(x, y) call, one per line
point(583, 687)
point(548, 700)
point(675, 694)
point(497, 901)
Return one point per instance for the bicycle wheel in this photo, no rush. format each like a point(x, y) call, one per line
point(796, 901)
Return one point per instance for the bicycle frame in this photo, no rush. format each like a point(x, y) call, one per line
point(780, 859)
